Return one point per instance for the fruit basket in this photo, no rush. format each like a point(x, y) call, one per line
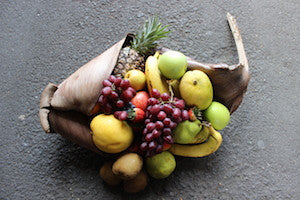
point(140, 104)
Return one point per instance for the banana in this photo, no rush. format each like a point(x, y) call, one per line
point(154, 77)
point(199, 150)
point(201, 136)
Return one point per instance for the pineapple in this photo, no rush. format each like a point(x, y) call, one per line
point(133, 56)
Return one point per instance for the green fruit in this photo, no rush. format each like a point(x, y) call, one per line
point(186, 131)
point(161, 165)
point(218, 115)
point(172, 64)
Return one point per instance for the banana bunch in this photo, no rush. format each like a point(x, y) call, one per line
point(154, 77)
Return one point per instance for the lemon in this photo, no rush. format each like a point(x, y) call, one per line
point(110, 134)
point(196, 89)
point(137, 79)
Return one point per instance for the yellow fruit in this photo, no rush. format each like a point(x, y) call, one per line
point(154, 78)
point(137, 79)
point(196, 89)
point(202, 135)
point(199, 150)
point(110, 134)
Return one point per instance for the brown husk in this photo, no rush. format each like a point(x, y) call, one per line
point(66, 108)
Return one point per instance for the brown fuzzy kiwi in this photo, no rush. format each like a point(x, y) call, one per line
point(128, 166)
point(137, 184)
point(107, 175)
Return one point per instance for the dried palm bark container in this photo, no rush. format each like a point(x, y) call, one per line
point(66, 108)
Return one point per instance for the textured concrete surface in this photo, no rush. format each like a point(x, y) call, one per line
point(45, 41)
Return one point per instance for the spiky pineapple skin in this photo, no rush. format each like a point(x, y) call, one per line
point(128, 59)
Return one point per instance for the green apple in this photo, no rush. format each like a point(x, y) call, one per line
point(172, 64)
point(160, 165)
point(218, 115)
point(186, 131)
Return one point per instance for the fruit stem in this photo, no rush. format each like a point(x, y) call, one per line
point(205, 123)
point(171, 91)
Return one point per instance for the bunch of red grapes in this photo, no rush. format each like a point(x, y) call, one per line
point(162, 116)
point(115, 96)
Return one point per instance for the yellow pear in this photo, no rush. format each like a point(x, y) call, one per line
point(196, 89)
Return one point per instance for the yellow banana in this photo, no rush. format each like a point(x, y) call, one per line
point(154, 77)
point(199, 150)
point(201, 136)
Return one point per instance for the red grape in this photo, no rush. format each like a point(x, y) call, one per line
point(116, 114)
point(112, 78)
point(152, 101)
point(132, 90)
point(155, 93)
point(152, 145)
point(123, 115)
point(149, 137)
point(102, 100)
point(154, 109)
point(144, 146)
point(114, 96)
point(120, 104)
point(124, 84)
point(185, 115)
point(168, 138)
point(165, 96)
point(161, 115)
point(167, 131)
point(156, 133)
point(176, 113)
point(179, 104)
point(167, 121)
point(145, 131)
point(149, 108)
point(173, 125)
point(147, 121)
point(167, 108)
point(106, 83)
point(127, 95)
point(117, 82)
point(159, 125)
point(106, 91)
point(150, 126)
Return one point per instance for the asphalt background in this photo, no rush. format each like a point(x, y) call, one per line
point(45, 41)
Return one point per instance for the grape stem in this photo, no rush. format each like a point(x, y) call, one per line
point(171, 90)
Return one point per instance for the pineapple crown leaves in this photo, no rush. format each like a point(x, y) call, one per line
point(146, 39)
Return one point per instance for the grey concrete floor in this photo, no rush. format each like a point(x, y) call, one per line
point(45, 41)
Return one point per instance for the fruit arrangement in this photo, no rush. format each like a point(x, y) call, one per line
point(140, 105)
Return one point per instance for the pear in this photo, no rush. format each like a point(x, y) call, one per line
point(186, 131)
point(161, 165)
point(196, 89)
